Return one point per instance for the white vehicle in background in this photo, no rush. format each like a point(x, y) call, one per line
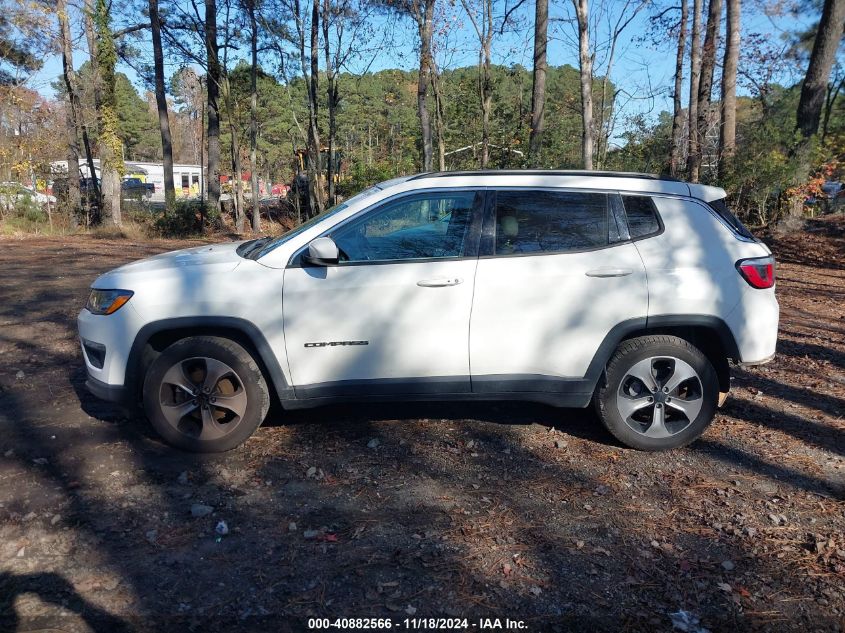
point(631, 292)
point(13, 192)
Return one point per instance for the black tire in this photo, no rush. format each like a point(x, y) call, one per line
point(656, 351)
point(243, 381)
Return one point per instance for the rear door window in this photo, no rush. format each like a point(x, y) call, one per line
point(530, 222)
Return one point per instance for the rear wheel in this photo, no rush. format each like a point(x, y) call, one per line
point(205, 394)
point(661, 393)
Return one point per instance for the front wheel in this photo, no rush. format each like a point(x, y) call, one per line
point(205, 394)
point(661, 392)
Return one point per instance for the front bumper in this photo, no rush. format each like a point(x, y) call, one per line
point(105, 343)
point(103, 391)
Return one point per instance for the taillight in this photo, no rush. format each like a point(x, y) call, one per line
point(758, 272)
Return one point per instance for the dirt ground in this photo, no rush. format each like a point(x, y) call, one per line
point(406, 511)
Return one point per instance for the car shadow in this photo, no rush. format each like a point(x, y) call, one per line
point(581, 423)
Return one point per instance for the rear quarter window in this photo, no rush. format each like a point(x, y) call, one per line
point(723, 211)
point(642, 216)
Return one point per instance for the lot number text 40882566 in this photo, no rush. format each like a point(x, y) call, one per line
point(418, 624)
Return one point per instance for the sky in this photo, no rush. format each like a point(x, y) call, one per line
point(643, 69)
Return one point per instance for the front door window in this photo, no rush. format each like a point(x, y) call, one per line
point(428, 226)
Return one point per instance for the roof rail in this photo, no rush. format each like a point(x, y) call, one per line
point(543, 172)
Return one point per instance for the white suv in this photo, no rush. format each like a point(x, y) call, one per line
point(626, 290)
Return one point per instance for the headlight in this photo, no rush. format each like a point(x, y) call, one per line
point(107, 301)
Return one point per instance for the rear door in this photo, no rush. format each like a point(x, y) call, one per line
point(392, 317)
point(557, 272)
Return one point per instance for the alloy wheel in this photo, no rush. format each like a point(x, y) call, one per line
point(203, 398)
point(660, 396)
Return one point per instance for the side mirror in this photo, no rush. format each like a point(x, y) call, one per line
point(322, 252)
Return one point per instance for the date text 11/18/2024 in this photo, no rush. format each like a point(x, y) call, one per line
point(417, 624)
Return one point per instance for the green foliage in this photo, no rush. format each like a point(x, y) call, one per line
point(362, 176)
point(767, 170)
point(137, 125)
point(111, 146)
point(106, 51)
point(185, 217)
point(25, 40)
point(28, 210)
point(378, 127)
point(20, 212)
point(645, 147)
point(768, 165)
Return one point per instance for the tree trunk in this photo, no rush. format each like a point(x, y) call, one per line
point(331, 104)
point(484, 30)
point(161, 104)
point(486, 83)
point(439, 120)
point(74, 199)
point(203, 162)
point(212, 93)
point(585, 63)
point(315, 189)
point(253, 119)
point(705, 84)
point(237, 181)
point(727, 133)
point(831, 95)
point(828, 37)
point(425, 26)
point(91, 37)
point(678, 110)
point(111, 147)
point(694, 151)
point(234, 154)
point(605, 125)
point(538, 90)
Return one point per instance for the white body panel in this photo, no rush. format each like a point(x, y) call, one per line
point(116, 332)
point(411, 331)
point(197, 282)
point(542, 315)
point(692, 271)
point(527, 315)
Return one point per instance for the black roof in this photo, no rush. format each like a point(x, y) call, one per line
point(543, 172)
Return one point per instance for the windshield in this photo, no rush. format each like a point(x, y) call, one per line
point(259, 248)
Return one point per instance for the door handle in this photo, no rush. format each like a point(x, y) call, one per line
point(609, 272)
point(439, 283)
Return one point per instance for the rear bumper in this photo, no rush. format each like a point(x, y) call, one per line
point(762, 361)
point(754, 324)
point(103, 391)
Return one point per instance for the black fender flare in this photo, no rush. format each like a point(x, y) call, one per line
point(648, 325)
point(244, 330)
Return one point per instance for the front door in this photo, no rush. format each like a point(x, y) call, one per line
point(392, 317)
